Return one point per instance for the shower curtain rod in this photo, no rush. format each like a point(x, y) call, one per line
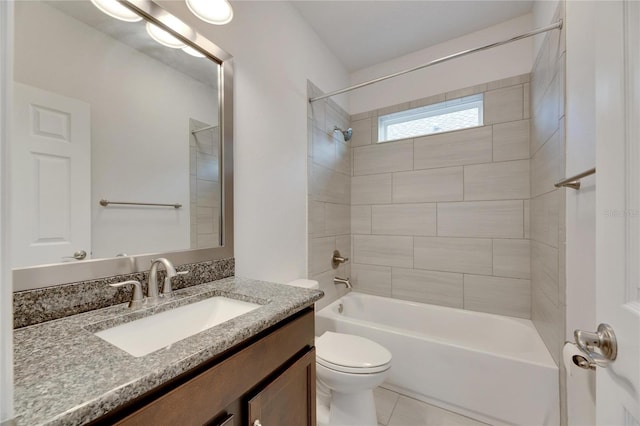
point(557, 25)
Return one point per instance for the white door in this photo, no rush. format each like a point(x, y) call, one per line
point(50, 177)
point(618, 206)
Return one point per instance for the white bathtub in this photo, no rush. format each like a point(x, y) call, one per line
point(492, 368)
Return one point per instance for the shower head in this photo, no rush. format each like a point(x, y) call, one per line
point(346, 133)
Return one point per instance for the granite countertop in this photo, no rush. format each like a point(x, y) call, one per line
point(64, 374)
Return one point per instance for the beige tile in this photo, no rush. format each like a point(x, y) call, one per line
point(324, 148)
point(467, 91)
point(544, 270)
point(428, 185)
point(544, 122)
point(545, 218)
point(320, 252)
point(503, 105)
point(361, 132)
point(469, 255)
point(207, 167)
point(361, 219)
point(526, 101)
point(428, 101)
point(374, 189)
point(508, 180)
point(383, 250)
point(512, 258)
point(503, 296)
point(385, 401)
point(371, 279)
point(360, 116)
point(208, 240)
point(343, 158)
point(470, 146)
point(509, 81)
point(383, 158)
point(527, 219)
point(337, 219)
point(208, 193)
point(403, 219)
point(410, 412)
point(343, 245)
point(547, 165)
point(511, 141)
point(549, 320)
point(393, 108)
point(438, 288)
point(492, 219)
point(316, 218)
point(331, 291)
point(205, 219)
point(329, 185)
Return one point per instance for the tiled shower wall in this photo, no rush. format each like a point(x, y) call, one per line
point(443, 219)
point(548, 236)
point(329, 203)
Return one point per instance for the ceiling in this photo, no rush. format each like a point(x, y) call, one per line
point(364, 33)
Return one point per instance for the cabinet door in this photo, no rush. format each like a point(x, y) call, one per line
point(290, 399)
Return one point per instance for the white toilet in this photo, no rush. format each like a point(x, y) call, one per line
point(350, 367)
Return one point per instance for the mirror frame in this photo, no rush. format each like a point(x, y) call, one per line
point(40, 276)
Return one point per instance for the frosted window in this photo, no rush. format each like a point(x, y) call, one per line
point(446, 116)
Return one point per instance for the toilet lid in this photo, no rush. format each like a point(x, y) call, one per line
point(349, 353)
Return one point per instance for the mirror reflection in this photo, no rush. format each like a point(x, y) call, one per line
point(104, 112)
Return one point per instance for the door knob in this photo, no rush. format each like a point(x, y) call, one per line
point(604, 340)
point(79, 255)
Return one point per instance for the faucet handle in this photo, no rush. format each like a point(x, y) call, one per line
point(138, 299)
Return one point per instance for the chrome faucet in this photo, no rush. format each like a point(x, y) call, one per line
point(152, 292)
point(345, 281)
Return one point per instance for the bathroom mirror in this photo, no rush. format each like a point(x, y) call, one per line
point(121, 146)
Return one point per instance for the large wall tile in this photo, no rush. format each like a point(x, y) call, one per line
point(337, 219)
point(324, 148)
point(438, 288)
point(545, 218)
point(549, 320)
point(470, 255)
point(383, 250)
point(512, 258)
point(508, 180)
point(547, 165)
point(343, 157)
point(428, 185)
point(503, 296)
point(316, 218)
point(511, 141)
point(470, 146)
point(544, 270)
point(544, 121)
point(374, 189)
point(404, 219)
point(383, 158)
point(320, 254)
point(328, 185)
point(371, 279)
point(361, 132)
point(503, 105)
point(493, 219)
point(360, 219)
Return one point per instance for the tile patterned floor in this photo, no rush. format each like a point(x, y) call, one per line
point(394, 409)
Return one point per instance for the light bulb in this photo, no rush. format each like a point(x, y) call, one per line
point(218, 12)
point(193, 52)
point(116, 10)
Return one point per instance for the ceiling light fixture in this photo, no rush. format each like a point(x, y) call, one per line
point(116, 10)
point(163, 37)
point(218, 12)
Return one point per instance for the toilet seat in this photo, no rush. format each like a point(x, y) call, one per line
point(347, 353)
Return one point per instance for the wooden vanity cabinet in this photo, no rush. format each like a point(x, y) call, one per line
point(270, 382)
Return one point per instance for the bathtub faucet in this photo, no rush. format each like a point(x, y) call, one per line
point(345, 281)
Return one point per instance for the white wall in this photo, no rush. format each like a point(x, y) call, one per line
point(275, 52)
point(140, 111)
point(581, 205)
point(494, 64)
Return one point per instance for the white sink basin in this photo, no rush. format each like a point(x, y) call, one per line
point(148, 334)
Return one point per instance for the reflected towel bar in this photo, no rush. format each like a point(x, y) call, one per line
point(105, 203)
point(574, 181)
